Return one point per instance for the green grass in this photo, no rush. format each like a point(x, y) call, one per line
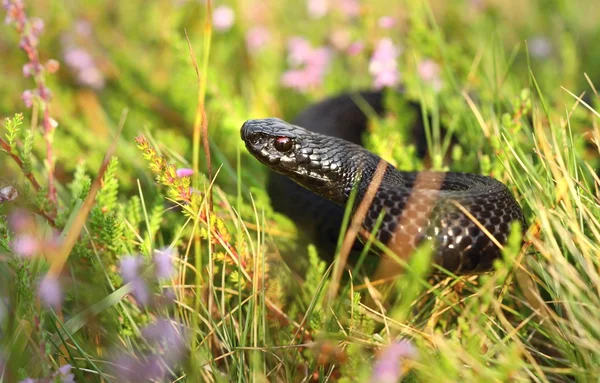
point(512, 77)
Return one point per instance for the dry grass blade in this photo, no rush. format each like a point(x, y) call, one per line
point(355, 225)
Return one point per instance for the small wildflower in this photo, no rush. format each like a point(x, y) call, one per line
point(223, 18)
point(130, 266)
point(184, 172)
point(83, 28)
point(540, 47)
point(65, 375)
point(355, 48)
point(429, 71)
point(130, 272)
point(169, 335)
point(50, 291)
point(21, 220)
point(257, 38)
point(31, 69)
point(315, 63)
point(37, 26)
point(91, 77)
point(389, 367)
point(317, 8)
point(386, 22)
point(350, 8)
point(44, 92)
point(52, 66)
point(26, 245)
point(383, 65)
point(27, 97)
point(78, 58)
point(163, 263)
point(299, 51)
point(131, 369)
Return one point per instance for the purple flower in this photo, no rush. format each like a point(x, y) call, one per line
point(389, 367)
point(429, 71)
point(86, 71)
point(131, 369)
point(257, 38)
point(163, 263)
point(130, 272)
point(386, 22)
point(169, 335)
point(383, 66)
point(130, 267)
point(65, 375)
point(317, 8)
point(184, 172)
point(50, 292)
point(223, 18)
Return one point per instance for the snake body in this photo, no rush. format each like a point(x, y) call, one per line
point(319, 163)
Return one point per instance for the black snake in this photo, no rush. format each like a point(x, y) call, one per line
point(457, 211)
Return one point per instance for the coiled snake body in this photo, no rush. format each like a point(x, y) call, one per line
point(454, 210)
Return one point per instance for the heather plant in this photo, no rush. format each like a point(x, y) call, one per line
point(137, 241)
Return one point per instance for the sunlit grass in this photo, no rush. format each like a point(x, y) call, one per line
point(226, 307)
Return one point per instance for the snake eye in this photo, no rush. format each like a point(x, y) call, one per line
point(283, 144)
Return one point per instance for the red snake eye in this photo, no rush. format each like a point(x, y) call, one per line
point(283, 144)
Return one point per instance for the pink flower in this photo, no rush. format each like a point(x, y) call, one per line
point(317, 8)
point(299, 51)
point(223, 18)
point(257, 38)
point(78, 59)
point(37, 26)
point(26, 245)
point(50, 292)
point(309, 65)
point(388, 367)
point(31, 69)
point(386, 22)
point(28, 97)
point(429, 71)
point(184, 172)
point(355, 48)
point(350, 8)
point(383, 66)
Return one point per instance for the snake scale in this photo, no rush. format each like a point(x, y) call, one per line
point(318, 160)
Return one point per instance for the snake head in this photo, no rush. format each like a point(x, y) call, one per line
point(309, 158)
